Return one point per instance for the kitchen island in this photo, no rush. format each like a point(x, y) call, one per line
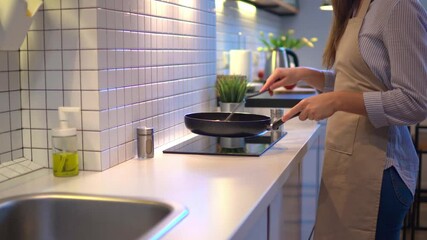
point(228, 197)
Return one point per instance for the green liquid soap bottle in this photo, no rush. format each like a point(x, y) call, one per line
point(64, 146)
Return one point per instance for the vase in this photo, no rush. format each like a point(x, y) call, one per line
point(229, 106)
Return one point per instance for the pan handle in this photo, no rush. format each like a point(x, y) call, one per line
point(279, 122)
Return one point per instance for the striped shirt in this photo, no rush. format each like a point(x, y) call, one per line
point(393, 43)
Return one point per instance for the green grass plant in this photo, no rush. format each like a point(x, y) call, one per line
point(231, 88)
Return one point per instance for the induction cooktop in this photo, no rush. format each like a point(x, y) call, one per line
point(250, 146)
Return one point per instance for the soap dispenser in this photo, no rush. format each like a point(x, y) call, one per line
point(64, 146)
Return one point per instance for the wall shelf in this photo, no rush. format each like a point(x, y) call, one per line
point(278, 7)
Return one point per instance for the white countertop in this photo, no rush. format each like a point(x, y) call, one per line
point(224, 194)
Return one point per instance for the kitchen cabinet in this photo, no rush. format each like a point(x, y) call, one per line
point(292, 212)
point(278, 7)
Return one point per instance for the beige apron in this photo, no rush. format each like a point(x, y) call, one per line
point(355, 151)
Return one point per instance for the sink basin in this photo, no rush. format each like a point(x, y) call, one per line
point(63, 216)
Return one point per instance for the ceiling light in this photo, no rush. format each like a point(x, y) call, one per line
point(326, 5)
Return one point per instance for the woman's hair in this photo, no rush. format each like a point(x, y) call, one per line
point(343, 11)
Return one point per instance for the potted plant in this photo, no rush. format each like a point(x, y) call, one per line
point(231, 90)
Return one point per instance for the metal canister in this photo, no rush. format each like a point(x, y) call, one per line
point(145, 142)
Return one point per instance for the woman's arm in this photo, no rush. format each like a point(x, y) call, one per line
point(324, 105)
point(289, 76)
point(405, 38)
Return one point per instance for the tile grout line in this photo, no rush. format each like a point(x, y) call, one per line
point(46, 133)
point(81, 92)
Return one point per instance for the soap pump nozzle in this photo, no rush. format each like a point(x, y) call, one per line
point(64, 129)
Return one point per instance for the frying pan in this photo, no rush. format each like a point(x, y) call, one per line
point(239, 125)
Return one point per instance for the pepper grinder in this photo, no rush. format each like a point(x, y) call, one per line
point(145, 142)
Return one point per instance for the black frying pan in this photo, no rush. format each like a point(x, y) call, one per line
point(239, 125)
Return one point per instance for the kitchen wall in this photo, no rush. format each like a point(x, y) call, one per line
point(232, 18)
point(310, 22)
point(126, 63)
point(10, 107)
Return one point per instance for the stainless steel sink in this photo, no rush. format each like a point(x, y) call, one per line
point(60, 216)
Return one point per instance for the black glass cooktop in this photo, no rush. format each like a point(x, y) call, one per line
point(251, 146)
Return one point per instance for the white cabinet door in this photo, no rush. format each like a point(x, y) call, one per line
point(309, 189)
point(259, 231)
point(285, 210)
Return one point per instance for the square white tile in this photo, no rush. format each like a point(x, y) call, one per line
point(89, 59)
point(89, 39)
point(16, 140)
point(38, 118)
point(112, 118)
point(53, 80)
point(105, 160)
point(120, 116)
point(105, 140)
point(35, 40)
point(113, 137)
point(16, 120)
point(72, 98)
point(71, 80)
point(112, 98)
point(89, 80)
point(88, 18)
point(54, 99)
point(51, 4)
point(114, 156)
point(14, 81)
point(37, 99)
point(5, 122)
point(70, 18)
point(92, 141)
point(72, 3)
point(38, 21)
point(92, 161)
point(122, 153)
point(6, 145)
point(71, 60)
point(23, 60)
point(37, 80)
point(53, 40)
point(70, 39)
point(36, 60)
point(121, 134)
point(40, 157)
point(52, 19)
point(53, 60)
point(39, 139)
point(91, 120)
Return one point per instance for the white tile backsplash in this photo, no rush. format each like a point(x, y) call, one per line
point(53, 40)
point(125, 63)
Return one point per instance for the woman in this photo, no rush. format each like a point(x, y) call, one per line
point(378, 85)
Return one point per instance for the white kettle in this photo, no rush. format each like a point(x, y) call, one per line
point(16, 17)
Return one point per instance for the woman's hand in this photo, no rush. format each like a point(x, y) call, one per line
point(313, 108)
point(290, 76)
point(281, 77)
point(326, 104)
